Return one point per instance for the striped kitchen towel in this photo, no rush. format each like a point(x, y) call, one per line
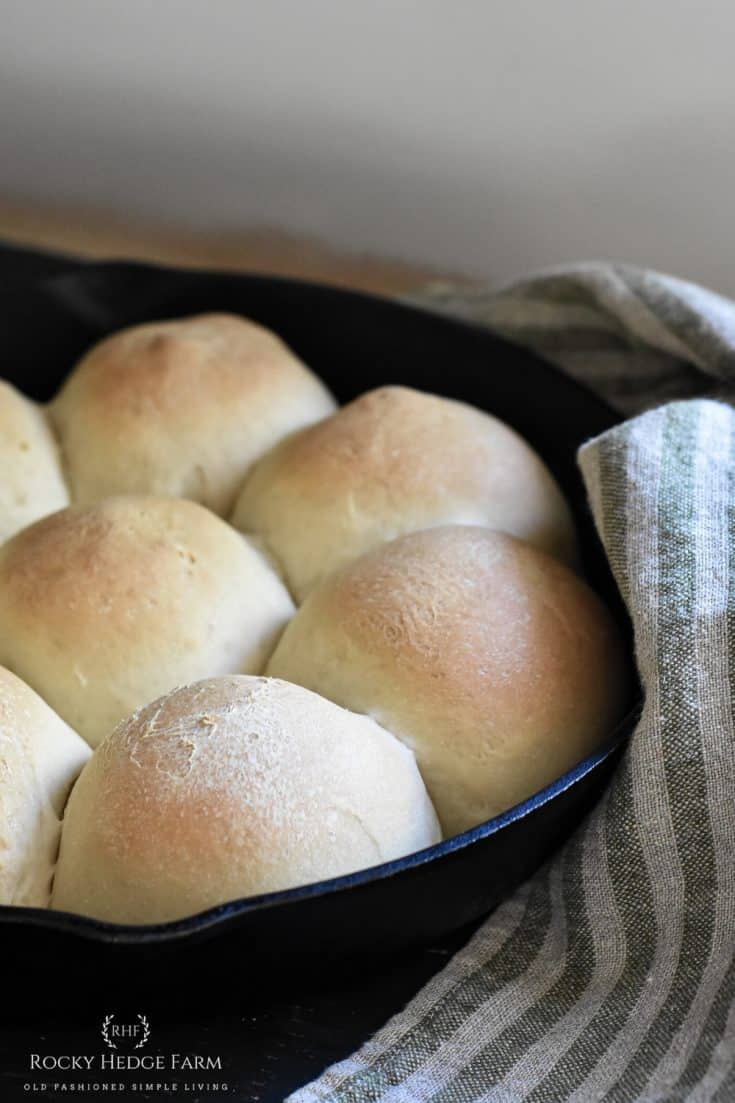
point(611, 974)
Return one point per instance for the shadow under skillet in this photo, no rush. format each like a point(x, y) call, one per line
point(273, 1034)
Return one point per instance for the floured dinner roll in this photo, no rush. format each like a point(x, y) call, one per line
point(233, 787)
point(39, 760)
point(396, 461)
point(492, 661)
point(31, 481)
point(182, 408)
point(104, 607)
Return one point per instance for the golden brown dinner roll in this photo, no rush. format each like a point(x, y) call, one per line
point(232, 787)
point(491, 660)
point(31, 481)
point(39, 759)
point(104, 607)
point(396, 461)
point(182, 408)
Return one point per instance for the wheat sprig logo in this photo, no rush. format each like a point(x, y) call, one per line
point(109, 1032)
point(106, 1031)
point(146, 1032)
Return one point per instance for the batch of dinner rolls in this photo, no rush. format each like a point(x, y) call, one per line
point(250, 640)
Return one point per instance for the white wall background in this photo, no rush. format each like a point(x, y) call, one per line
point(491, 137)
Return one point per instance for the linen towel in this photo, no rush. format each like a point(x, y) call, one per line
point(610, 975)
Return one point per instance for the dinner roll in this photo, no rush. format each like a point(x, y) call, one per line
point(395, 461)
point(182, 408)
point(39, 759)
point(491, 660)
point(104, 607)
point(232, 787)
point(31, 481)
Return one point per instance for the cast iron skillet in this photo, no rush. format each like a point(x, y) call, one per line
point(354, 342)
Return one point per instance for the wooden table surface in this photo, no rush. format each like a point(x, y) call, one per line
point(266, 249)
